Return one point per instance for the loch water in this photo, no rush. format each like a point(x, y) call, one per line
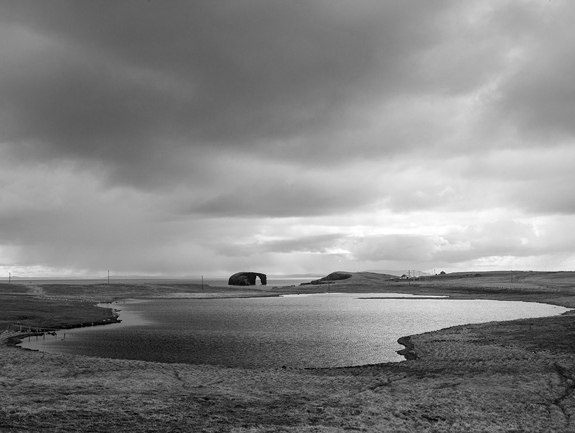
point(323, 330)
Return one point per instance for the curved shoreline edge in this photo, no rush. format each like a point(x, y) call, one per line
point(409, 351)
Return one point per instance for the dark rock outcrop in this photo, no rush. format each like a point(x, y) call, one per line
point(247, 279)
point(409, 351)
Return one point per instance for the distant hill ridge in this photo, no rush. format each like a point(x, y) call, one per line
point(473, 278)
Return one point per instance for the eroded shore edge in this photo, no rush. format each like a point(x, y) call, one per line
point(14, 340)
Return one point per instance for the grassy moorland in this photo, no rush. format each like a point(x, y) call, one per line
point(516, 376)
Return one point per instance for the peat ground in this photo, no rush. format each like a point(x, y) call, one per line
point(516, 376)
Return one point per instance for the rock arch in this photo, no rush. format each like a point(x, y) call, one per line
point(247, 279)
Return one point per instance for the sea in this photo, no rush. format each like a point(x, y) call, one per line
point(320, 330)
point(279, 281)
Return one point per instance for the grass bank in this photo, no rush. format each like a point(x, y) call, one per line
point(495, 377)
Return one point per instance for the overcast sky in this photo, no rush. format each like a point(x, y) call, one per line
point(173, 138)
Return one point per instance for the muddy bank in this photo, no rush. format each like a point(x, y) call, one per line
point(409, 351)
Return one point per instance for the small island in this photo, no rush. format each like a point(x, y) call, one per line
point(247, 279)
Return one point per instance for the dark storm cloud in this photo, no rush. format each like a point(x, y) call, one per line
point(411, 248)
point(539, 97)
point(312, 244)
point(308, 244)
point(296, 195)
point(115, 80)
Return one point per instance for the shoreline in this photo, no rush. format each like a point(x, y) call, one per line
point(408, 352)
point(497, 376)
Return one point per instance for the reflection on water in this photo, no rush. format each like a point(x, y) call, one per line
point(296, 331)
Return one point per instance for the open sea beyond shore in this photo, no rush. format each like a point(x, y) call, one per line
point(322, 330)
point(213, 282)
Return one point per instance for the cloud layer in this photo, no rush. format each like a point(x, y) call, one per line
point(188, 138)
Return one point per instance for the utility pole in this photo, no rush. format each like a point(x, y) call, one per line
point(108, 277)
point(202, 282)
point(9, 277)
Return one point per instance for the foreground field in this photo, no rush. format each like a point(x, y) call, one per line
point(498, 377)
